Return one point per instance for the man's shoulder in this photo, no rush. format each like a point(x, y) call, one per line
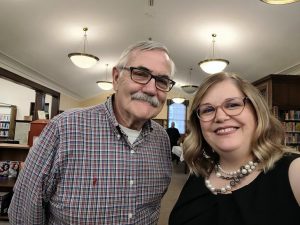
point(157, 127)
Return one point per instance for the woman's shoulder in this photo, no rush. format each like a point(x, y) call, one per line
point(287, 159)
point(294, 177)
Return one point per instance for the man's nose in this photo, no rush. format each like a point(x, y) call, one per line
point(150, 87)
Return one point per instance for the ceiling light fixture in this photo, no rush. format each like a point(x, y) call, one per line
point(279, 2)
point(82, 59)
point(213, 65)
point(105, 85)
point(178, 100)
point(189, 88)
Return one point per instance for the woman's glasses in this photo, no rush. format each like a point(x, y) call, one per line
point(232, 107)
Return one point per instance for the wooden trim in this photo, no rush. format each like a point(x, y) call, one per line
point(5, 74)
point(39, 89)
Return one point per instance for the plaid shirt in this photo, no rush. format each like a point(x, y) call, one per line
point(83, 170)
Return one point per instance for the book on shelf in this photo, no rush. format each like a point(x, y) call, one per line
point(297, 127)
point(291, 115)
point(275, 111)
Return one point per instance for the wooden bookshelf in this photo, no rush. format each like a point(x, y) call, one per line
point(11, 152)
point(7, 121)
point(282, 95)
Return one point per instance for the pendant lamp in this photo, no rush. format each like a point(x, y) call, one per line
point(213, 65)
point(178, 100)
point(83, 59)
point(189, 88)
point(279, 2)
point(105, 85)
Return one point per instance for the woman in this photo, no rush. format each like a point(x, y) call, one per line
point(240, 171)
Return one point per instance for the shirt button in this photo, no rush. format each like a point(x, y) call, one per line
point(129, 215)
point(118, 136)
point(131, 182)
point(132, 151)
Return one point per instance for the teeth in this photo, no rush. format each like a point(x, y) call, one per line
point(220, 131)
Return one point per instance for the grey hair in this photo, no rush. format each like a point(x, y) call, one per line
point(144, 46)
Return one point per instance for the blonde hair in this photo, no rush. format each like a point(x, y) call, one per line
point(267, 142)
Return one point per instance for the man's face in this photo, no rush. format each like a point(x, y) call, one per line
point(129, 111)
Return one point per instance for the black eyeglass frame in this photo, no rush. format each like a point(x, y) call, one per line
point(158, 77)
point(245, 100)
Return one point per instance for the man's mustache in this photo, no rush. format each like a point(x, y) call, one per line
point(147, 98)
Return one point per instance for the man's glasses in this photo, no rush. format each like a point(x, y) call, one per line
point(142, 76)
point(232, 107)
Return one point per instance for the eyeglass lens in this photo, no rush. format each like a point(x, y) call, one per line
point(231, 107)
point(143, 77)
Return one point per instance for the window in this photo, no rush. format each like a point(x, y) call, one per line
point(177, 113)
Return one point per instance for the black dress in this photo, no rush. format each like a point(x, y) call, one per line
point(266, 200)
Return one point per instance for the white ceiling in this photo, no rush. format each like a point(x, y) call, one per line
point(258, 39)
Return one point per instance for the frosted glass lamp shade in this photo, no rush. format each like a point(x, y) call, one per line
point(83, 60)
point(279, 2)
point(212, 66)
point(189, 89)
point(178, 100)
point(105, 85)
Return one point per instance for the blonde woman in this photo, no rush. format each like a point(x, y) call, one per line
point(240, 171)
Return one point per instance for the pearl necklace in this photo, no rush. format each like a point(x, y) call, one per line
point(234, 177)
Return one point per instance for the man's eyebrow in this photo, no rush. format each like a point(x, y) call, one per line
point(144, 68)
point(150, 71)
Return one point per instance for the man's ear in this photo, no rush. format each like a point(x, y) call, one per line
point(115, 76)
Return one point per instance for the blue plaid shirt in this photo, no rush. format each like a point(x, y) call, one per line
point(83, 170)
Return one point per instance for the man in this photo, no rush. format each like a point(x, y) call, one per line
point(107, 164)
point(174, 136)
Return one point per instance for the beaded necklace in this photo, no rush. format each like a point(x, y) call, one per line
point(234, 177)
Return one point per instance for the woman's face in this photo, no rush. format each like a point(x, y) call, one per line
point(225, 133)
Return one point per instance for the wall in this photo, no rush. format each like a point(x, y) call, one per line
point(14, 94)
point(21, 96)
point(66, 102)
point(97, 99)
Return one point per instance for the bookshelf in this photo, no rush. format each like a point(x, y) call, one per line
point(282, 95)
point(8, 115)
point(11, 152)
point(291, 123)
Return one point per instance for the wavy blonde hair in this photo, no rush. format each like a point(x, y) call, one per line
point(267, 142)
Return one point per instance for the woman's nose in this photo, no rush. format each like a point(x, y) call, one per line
point(221, 115)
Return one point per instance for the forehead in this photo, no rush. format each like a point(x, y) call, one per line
point(219, 92)
point(155, 60)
